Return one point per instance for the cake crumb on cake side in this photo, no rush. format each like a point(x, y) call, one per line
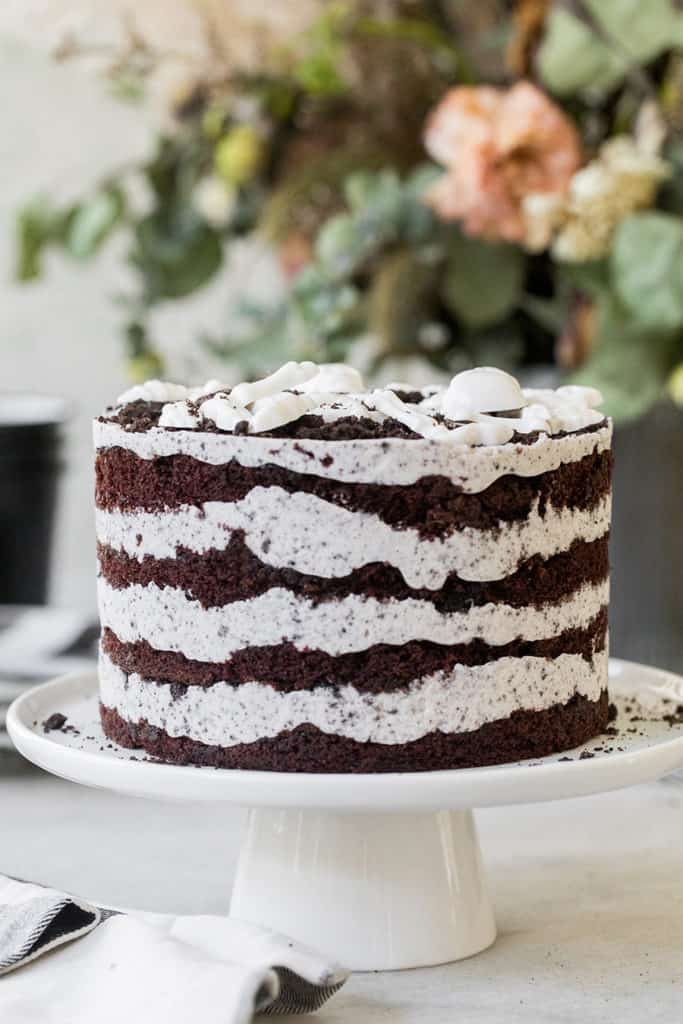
point(299, 574)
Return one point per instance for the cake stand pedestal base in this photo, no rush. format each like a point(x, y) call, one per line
point(377, 871)
point(376, 891)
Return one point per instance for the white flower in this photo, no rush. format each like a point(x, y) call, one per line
point(580, 241)
point(579, 225)
point(543, 213)
point(215, 200)
point(593, 183)
point(623, 178)
point(650, 128)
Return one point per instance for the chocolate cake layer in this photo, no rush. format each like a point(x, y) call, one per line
point(382, 668)
point(524, 734)
point(217, 578)
point(434, 505)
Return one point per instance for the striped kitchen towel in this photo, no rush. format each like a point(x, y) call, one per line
point(106, 967)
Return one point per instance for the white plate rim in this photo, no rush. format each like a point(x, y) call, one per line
point(541, 779)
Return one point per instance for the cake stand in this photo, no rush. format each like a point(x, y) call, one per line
point(378, 871)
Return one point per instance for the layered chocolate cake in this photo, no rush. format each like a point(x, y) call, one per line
point(299, 574)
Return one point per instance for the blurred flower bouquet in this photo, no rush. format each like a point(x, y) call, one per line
point(444, 184)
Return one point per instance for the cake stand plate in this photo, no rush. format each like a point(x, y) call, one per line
point(379, 871)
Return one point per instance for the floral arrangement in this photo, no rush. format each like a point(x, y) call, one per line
point(443, 183)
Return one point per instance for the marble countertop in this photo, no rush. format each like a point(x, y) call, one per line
point(588, 896)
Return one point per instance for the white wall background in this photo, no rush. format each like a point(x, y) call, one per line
point(60, 335)
point(59, 130)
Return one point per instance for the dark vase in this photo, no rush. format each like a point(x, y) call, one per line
point(646, 609)
point(30, 444)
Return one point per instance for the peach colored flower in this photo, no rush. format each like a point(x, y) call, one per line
point(498, 146)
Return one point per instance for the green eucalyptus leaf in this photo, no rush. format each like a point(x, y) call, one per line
point(593, 277)
point(175, 167)
point(422, 178)
point(93, 221)
point(630, 361)
point(547, 313)
point(386, 203)
point(572, 57)
point(176, 255)
point(417, 223)
point(359, 188)
point(647, 268)
point(339, 245)
point(38, 225)
point(641, 31)
point(482, 281)
point(593, 50)
point(32, 236)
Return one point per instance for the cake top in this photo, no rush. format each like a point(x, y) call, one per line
point(483, 406)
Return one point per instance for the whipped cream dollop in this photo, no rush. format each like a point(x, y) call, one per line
point(485, 389)
point(482, 406)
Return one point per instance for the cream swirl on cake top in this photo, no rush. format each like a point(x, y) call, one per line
point(483, 406)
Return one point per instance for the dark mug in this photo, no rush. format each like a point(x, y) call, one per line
point(30, 463)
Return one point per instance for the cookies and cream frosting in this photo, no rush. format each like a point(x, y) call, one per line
point(482, 406)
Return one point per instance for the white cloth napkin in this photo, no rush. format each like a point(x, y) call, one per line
point(145, 967)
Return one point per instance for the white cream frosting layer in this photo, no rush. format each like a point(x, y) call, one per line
point(484, 405)
point(391, 461)
point(303, 532)
point(170, 621)
point(457, 701)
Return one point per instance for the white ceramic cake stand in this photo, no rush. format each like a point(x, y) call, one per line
point(379, 871)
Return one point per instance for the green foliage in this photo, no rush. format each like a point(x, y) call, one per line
point(640, 30)
point(319, 71)
point(79, 229)
point(93, 221)
point(592, 53)
point(319, 148)
point(383, 210)
point(401, 299)
point(573, 58)
point(313, 191)
point(326, 308)
point(482, 281)
point(38, 225)
point(647, 269)
point(630, 361)
point(175, 253)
